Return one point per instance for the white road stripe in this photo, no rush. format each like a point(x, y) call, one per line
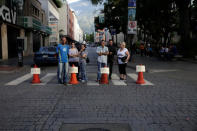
point(134, 77)
point(119, 83)
point(116, 80)
point(92, 83)
point(20, 80)
point(115, 77)
point(161, 71)
point(47, 78)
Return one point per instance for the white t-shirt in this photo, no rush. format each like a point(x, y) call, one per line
point(103, 58)
point(73, 52)
point(121, 54)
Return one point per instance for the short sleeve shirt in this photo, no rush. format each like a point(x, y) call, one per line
point(83, 59)
point(62, 51)
point(103, 58)
point(73, 52)
point(121, 54)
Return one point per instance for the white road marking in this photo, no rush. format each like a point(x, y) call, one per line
point(115, 77)
point(116, 80)
point(160, 71)
point(20, 80)
point(135, 76)
point(119, 83)
point(92, 83)
point(47, 78)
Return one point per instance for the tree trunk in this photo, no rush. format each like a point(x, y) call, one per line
point(184, 25)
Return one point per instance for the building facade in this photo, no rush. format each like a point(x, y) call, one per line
point(24, 19)
point(52, 15)
point(63, 21)
point(78, 33)
point(70, 24)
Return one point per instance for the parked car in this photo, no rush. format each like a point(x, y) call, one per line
point(46, 55)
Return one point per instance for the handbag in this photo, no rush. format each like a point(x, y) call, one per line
point(123, 59)
point(87, 60)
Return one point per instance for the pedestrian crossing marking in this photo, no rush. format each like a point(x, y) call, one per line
point(134, 77)
point(116, 80)
point(92, 83)
point(47, 78)
point(19, 80)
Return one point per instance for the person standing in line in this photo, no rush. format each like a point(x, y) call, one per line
point(83, 54)
point(123, 58)
point(112, 52)
point(63, 50)
point(102, 52)
point(74, 57)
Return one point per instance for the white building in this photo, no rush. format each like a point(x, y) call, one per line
point(52, 15)
point(78, 32)
point(63, 19)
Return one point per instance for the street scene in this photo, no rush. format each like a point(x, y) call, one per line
point(98, 65)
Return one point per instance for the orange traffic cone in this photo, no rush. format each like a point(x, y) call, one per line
point(73, 79)
point(104, 78)
point(36, 78)
point(140, 79)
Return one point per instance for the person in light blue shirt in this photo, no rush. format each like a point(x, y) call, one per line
point(63, 52)
point(102, 52)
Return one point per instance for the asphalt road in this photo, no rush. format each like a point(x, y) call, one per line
point(168, 102)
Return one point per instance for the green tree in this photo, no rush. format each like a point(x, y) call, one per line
point(90, 37)
point(116, 15)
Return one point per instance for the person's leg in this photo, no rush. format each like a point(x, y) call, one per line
point(99, 71)
point(124, 71)
point(66, 72)
point(60, 72)
point(121, 72)
point(77, 65)
point(80, 71)
point(110, 69)
point(84, 76)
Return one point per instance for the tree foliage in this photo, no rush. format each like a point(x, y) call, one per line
point(115, 13)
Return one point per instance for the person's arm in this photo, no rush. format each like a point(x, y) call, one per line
point(70, 54)
point(128, 56)
point(106, 52)
point(98, 51)
point(84, 55)
point(77, 53)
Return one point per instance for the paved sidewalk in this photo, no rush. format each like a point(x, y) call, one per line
point(11, 65)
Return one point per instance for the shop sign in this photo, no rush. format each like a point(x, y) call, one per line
point(7, 14)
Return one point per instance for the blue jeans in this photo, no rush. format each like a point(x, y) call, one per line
point(62, 72)
point(100, 65)
point(83, 71)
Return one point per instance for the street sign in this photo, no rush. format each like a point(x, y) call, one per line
point(101, 18)
point(73, 70)
point(35, 71)
point(140, 68)
point(105, 70)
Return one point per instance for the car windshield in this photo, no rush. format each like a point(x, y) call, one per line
point(48, 49)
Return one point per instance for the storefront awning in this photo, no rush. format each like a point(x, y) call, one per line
point(34, 24)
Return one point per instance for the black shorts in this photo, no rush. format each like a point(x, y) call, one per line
point(122, 68)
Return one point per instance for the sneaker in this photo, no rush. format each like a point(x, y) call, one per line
point(65, 84)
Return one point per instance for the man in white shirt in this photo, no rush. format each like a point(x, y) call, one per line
point(102, 52)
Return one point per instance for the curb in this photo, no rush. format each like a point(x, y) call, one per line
point(15, 70)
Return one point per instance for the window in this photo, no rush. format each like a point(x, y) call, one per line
point(35, 11)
